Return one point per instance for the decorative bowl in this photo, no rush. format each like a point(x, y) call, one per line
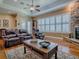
point(44, 44)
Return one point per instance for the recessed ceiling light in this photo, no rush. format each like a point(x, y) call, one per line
point(15, 0)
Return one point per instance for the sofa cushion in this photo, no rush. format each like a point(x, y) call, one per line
point(22, 31)
point(8, 32)
point(27, 37)
point(15, 38)
point(11, 35)
point(23, 34)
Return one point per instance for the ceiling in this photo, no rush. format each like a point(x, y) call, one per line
point(36, 2)
point(5, 11)
point(19, 5)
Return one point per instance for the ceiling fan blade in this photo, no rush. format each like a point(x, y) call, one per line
point(28, 4)
point(37, 10)
point(37, 6)
point(25, 8)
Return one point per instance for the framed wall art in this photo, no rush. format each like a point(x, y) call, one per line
point(5, 23)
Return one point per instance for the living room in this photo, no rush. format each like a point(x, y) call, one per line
point(51, 27)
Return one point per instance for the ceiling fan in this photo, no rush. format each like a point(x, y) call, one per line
point(33, 7)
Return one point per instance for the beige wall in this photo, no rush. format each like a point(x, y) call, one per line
point(8, 17)
point(18, 21)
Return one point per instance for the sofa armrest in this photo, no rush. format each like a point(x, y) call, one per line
point(4, 37)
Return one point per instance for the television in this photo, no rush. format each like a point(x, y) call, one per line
point(77, 32)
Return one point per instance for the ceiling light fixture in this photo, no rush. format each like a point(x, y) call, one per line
point(32, 8)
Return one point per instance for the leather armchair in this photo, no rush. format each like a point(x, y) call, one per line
point(39, 35)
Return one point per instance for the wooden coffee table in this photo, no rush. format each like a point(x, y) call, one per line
point(46, 53)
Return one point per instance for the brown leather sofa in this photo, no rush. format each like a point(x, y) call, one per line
point(14, 37)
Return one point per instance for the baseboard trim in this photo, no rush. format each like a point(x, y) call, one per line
point(54, 37)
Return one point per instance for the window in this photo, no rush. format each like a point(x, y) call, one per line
point(47, 21)
point(39, 27)
point(52, 20)
point(42, 21)
point(42, 27)
point(39, 21)
point(58, 28)
point(58, 19)
point(52, 28)
point(47, 24)
point(57, 23)
point(52, 24)
point(47, 28)
point(66, 18)
point(65, 23)
point(65, 27)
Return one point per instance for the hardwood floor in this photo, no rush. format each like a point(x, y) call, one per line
point(64, 46)
point(2, 52)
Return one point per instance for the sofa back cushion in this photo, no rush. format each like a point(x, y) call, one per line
point(11, 35)
point(9, 32)
point(22, 31)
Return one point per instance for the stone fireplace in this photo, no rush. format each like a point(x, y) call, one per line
point(74, 17)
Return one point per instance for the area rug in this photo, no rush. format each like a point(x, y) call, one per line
point(18, 53)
